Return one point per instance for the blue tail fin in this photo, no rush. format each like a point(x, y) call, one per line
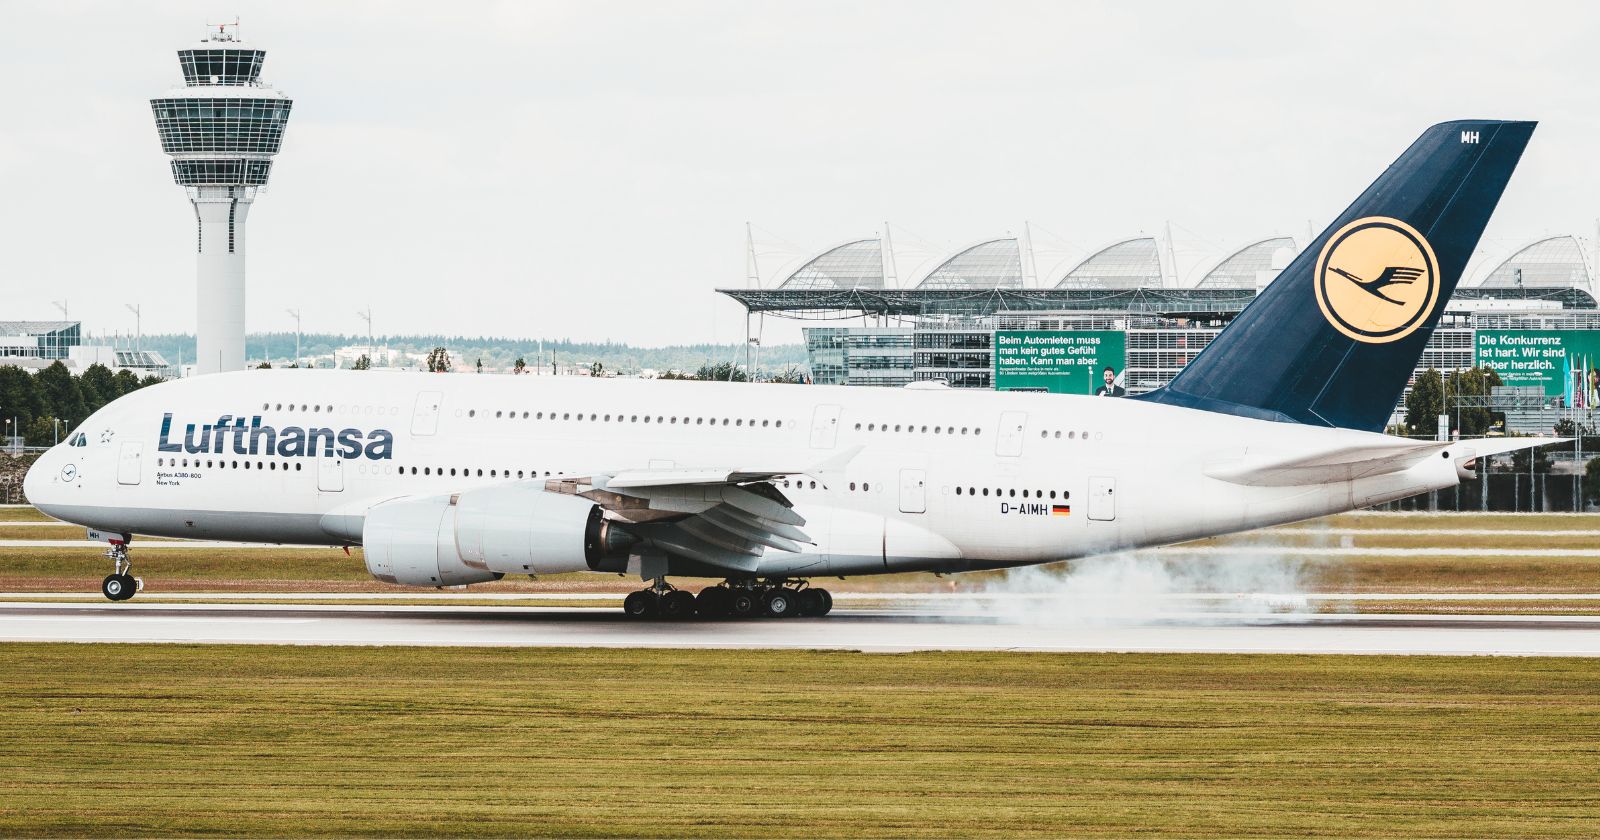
point(1334, 339)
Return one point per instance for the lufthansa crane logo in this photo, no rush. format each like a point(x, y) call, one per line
point(1377, 280)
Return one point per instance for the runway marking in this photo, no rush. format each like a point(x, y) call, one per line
point(1354, 551)
point(596, 597)
point(849, 628)
point(1414, 532)
point(148, 544)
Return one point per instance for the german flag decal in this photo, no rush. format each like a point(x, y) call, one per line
point(1061, 510)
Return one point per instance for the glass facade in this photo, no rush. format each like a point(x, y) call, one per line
point(221, 66)
point(249, 173)
point(248, 126)
point(1132, 264)
point(859, 355)
point(1240, 269)
point(39, 339)
point(853, 265)
point(996, 264)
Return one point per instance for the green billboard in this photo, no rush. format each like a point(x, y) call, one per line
point(1566, 363)
point(1058, 361)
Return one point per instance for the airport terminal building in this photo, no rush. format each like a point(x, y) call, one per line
point(973, 321)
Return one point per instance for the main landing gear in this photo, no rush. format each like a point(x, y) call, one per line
point(120, 585)
point(772, 598)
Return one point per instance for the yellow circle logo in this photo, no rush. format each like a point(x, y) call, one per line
point(1377, 280)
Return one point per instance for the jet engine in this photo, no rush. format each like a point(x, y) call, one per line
point(413, 541)
point(523, 529)
point(487, 533)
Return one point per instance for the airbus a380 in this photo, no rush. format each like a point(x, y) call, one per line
point(452, 480)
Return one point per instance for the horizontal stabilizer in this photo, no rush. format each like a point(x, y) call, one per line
point(1373, 455)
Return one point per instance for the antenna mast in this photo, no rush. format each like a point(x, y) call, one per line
point(752, 272)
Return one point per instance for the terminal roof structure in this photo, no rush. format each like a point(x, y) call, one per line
point(1129, 264)
point(1553, 263)
point(820, 304)
point(993, 264)
point(1240, 269)
point(847, 281)
point(853, 265)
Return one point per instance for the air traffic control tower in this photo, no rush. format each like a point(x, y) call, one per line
point(221, 129)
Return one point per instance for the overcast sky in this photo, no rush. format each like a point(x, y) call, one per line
point(586, 169)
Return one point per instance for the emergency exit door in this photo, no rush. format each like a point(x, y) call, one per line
point(130, 462)
point(1008, 440)
point(913, 491)
point(330, 474)
point(1102, 498)
point(825, 427)
point(425, 417)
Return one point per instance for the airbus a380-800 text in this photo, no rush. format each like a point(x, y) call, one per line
point(454, 480)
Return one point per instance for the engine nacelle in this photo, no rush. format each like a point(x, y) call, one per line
point(413, 541)
point(523, 529)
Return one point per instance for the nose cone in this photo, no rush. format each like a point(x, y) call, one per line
point(36, 485)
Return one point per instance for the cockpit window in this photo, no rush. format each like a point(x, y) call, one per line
point(79, 439)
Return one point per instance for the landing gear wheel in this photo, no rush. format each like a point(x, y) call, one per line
point(641, 604)
point(712, 602)
point(812, 602)
point(677, 604)
point(742, 603)
point(780, 603)
point(119, 587)
point(827, 601)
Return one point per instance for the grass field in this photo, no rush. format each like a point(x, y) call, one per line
point(170, 740)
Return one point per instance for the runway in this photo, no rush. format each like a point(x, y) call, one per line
point(877, 630)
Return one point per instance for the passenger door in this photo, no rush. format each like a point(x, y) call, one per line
point(825, 427)
point(1009, 440)
point(1102, 498)
point(130, 463)
point(330, 473)
point(425, 418)
point(913, 491)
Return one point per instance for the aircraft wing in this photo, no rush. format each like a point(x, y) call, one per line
point(724, 517)
point(1368, 457)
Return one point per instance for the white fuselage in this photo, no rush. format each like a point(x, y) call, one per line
point(944, 480)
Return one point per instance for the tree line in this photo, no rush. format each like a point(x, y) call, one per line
point(54, 401)
point(727, 372)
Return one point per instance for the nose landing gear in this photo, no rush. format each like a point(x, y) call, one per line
point(120, 585)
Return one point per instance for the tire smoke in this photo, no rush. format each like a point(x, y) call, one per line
point(1147, 587)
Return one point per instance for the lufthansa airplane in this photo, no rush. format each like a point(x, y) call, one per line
point(453, 480)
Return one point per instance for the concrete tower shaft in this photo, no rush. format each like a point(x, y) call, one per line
point(221, 129)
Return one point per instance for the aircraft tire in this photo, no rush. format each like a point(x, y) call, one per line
point(811, 602)
point(677, 605)
point(712, 602)
point(641, 604)
point(827, 602)
point(780, 603)
point(118, 587)
point(742, 603)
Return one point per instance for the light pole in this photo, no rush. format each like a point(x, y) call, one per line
point(138, 327)
point(295, 314)
point(367, 316)
point(55, 426)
